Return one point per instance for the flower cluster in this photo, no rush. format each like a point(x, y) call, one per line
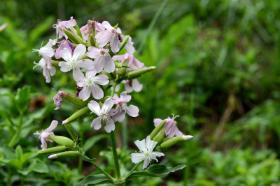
point(101, 61)
point(96, 53)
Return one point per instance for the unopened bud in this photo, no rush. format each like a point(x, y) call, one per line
point(64, 154)
point(157, 129)
point(160, 136)
point(76, 115)
point(136, 73)
point(52, 150)
point(62, 140)
point(74, 99)
point(174, 140)
point(74, 37)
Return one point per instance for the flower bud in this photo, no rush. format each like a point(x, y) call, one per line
point(74, 99)
point(160, 136)
point(136, 73)
point(157, 129)
point(76, 115)
point(75, 38)
point(172, 141)
point(64, 154)
point(62, 140)
point(52, 150)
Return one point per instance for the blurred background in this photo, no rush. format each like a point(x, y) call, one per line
point(218, 68)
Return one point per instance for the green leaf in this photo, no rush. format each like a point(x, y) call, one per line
point(38, 31)
point(96, 179)
point(157, 170)
point(93, 140)
point(22, 98)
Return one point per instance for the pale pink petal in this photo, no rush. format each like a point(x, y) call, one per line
point(136, 85)
point(103, 37)
point(115, 43)
point(64, 66)
point(109, 66)
point(101, 79)
point(157, 121)
point(84, 94)
point(94, 107)
point(79, 51)
point(77, 74)
point(110, 126)
point(97, 92)
point(86, 64)
point(66, 54)
point(93, 52)
point(107, 106)
point(132, 111)
point(52, 126)
point(96, 123)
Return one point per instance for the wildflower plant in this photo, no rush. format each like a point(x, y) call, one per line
point(100, 60)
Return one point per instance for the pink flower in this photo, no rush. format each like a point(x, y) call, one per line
point(129, 46)
point(103, 115)
point(102, 60)
point(44, 135)
point(108, 34)
point(170, 126)
point(132, 85)
point(90, 85)
point(47, 68)
point(122, 108)
point(130, 60)
point(75, 61)
point(63, 44)
point(62, 25)
point(87, 29)
point(57, 99)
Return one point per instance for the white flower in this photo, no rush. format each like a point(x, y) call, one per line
point(146, 154)
point(75, 61)
point(90, 85)
point(108, 34)
point(103, 115)
point(102, 60)
point(61, 25)
point(44, 135)
point(122, 108)
point(47, 51)
point(47, 68)
point(132, 85)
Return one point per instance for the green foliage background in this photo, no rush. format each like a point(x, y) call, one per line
point(218, 68)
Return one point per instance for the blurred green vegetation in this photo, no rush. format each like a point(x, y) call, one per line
point(218, 68)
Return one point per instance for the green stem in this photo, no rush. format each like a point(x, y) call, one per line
point(99, 168)
point(114, 150)
point(132, 170)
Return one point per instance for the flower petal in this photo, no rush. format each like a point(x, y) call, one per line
point(101, 79)
point(64, 66)
point(79, 51)
point(137, 157)
point(77, 74)
point(110, 126)
point(97, 92)
point(94, 107)
point(96, 123)
point(132, 111)
point(84, 94)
